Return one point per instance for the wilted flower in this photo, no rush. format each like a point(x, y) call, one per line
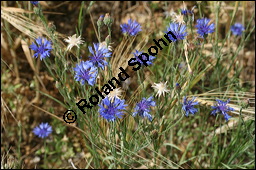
point(86, 71)
point(222, 107)
point(143, 108)
point(188, 106)
point(161, 88)
point(42, 48)
point(179, 19)
point(132, 28)
point(98, 55)
point(178, 30)
point(73, 41)
point(112, 109)
point(104, 45)
point(43, 130)
point(237, 29)
point(169, 13)
point(204, 27)
point(116, 93)
point(136, 55)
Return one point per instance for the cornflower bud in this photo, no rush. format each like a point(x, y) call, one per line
point(100, 21)
point(178, 88)
point(108, 20)
point(245, 103)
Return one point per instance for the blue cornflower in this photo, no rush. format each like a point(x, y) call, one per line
point(188, 106)
point(186, 12)
point(204, 27)
point(110, 109)
point(34, 2)
point(99, 53)
point(136, 55)
point(223, 108)
point(143, 108)
point(43, 130)
point(178, 30)
point(237, 29)
point(86, 71)
point(42, 48)
point(132, 28)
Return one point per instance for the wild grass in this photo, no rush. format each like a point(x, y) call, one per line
point(211, 70)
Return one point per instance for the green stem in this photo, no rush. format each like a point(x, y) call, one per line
point(166, 63)
point(109, 33)
point(99, 34)
point(19, 153)
point(200, 12)
point(45, 160)
point(140, 81)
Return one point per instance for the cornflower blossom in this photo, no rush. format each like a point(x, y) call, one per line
point(237, 29)
point(73, 41)
point(178, 30)
point(43, 130)
point(42, 48)
point(111, 109)
point(132, 28)
point(98, 55)
point(136, 55)
point(143, 108)
point(161, 88)
point(186, 12)
point(34, 2)
point(86, 71)
point(204, 27)
point(115, 93)
point(222, 107)
point(188, 106)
